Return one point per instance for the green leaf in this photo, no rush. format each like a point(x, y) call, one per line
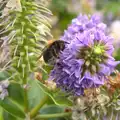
point(52, 109)
point(3, 76)
point(62, 100)
point(7, 116)
point(35, 94)
point(16, 93)
point(11, 107)
point(1, 113)
point(56, 96)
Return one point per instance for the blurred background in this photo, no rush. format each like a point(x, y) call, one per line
point(65, 10)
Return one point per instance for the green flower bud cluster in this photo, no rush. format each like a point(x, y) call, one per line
point(93, 56)
point(27, 31)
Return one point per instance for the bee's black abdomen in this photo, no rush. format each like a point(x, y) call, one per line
point(52, 52)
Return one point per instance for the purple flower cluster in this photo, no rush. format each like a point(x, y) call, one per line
point(87, 59)
point(83, 23)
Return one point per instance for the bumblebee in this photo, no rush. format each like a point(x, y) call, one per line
point(52, 50)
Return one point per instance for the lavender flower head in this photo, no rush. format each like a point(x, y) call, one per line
point(3, 89)
point(83, 23)
point(87, 59)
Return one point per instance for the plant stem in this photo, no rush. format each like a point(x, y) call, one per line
point(26, 101)
point(35, 110)
point(46, 116)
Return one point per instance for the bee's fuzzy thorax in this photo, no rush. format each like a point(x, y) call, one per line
point(52, 51)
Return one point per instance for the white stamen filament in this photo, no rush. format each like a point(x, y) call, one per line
point(14, 22)
point(7, 63)
point(28, 59)
point(12, 38)
point(23, 71)
point(19, 62)
point(15, 50)
point(22, 28)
